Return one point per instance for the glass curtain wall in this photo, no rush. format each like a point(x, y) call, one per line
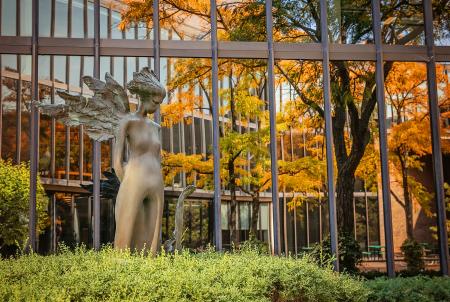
point(182, 57)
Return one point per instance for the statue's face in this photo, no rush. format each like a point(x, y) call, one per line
point(149, 89)
point(149, 106)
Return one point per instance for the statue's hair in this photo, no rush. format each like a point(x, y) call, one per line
point(146, 85)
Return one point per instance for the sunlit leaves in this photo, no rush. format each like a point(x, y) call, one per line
point(14, 204)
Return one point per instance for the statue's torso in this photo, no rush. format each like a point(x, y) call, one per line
point(143, 139)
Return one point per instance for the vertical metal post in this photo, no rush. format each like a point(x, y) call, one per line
point(291, 143)
point(329, 131)
point(436, 139)
point(1, 93)
point(96, 150)
point(385, 182)
point(215, 127)
point(34, 118)
point(80, 128)
point(156, 50)
point(307, 223)
point(273, 130)
point(19, 109)
point(354, 217)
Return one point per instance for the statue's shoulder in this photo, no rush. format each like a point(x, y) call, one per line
point(153, 124)
point(135, 118)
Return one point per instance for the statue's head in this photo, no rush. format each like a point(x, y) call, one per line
point(146, 85)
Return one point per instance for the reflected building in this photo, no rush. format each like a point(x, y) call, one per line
point(66, 36)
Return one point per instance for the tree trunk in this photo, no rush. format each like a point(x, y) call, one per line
point(407, 198)
point(234, 238)
point(255, 215)
point(234, 234)
point(345, 186)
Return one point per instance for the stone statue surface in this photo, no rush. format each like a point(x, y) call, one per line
point(105, 115)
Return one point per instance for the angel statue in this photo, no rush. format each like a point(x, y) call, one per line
point(105, 115)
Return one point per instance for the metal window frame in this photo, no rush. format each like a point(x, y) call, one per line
point(270, 50)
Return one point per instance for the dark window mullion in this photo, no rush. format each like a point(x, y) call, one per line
point(18, 109)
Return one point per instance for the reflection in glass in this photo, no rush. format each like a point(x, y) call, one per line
point(9, 89)
point(8, 18)
point(78, 30)
point(45, 17)
point(409, 144)
point(301, 160)
point(25, 17)
point(115, 19)
point(402, 22)
point(61, 18)
point(45, 132)
point(296, 21)
point(25, 99)
point(104, 23)
point(441, 24)
point(241, 20)
point(118, 69)
point(350, 22)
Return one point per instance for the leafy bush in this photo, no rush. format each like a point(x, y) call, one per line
point(415, 289)
point(350, 254)
point(110, 275)
point(14, 205)
point(413, 252)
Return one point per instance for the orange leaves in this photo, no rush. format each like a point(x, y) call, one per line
point(406, 90)
point(137, 11)
point(175, 112)
point(411, 138)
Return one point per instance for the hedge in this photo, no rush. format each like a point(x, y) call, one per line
point(108, 275)
point(412, 289)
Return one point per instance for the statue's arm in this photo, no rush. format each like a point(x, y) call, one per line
point(120, 148)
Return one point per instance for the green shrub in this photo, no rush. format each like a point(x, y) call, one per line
point(413, 253)
point(350, 254)
point(414, 289)
point(14, 205)
point(117, 276)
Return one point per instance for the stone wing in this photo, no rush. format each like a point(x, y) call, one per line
point(100, 114)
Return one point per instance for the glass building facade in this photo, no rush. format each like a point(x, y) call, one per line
point(272, 112)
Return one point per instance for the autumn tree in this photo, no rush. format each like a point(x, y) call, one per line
point(410, 135)
point(299, 21)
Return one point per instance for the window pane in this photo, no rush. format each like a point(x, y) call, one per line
point(25, 17)
point(301, 157)
point(115, 20)
point(90, 20)
point(61, 18)
point(45, 17)
point(9, 13)
point(45, 122)
point(9, 91)
point(441, 16)
point(296, 21)
point(25, 99)
point(241, 20)
point(118, 69)
point(77, 19)
point(402, 22)
point(410, 163)
point(350, 22)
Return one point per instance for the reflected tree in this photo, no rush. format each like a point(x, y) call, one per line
point(298, 21)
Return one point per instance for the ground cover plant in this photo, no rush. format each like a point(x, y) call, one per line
point(84, 275)
point(109, 275)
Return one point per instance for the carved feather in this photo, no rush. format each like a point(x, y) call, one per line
point(101, 114)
